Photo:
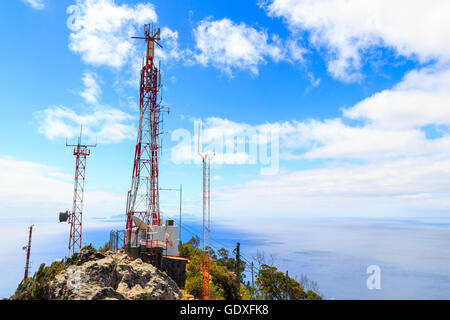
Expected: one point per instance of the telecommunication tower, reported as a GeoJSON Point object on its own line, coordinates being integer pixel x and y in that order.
{"type": "Point", "coordinates": [143, 197]}
{"type": "Point", "coordinates": [28, 248]}
{"type": "Point", "coordinates": [206, 161]}
{"type": "Point", "coordinates": [76, 216]}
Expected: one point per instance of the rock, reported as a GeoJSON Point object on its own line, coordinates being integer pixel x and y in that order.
{"type": "Point", "coordinates": [112, 275]}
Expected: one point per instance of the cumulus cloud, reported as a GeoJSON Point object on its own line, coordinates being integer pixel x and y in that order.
{"type": "Point", "coordinates": [422, 98]}
{"type": "Point", "coordinates": [100, 123]}
{"type": "Point", "coordinates": [171, 50]}
{"type": "Point", "coordinates": [412, 119]}
{"type": "Point", "coordinates": [332, 138]}
{"type": "Point", "coordinates": [380, 159]}
{"type": "Point", "coordinates": [382, 189]}
{"type": "Point", "coordinates": [101, 31]}
{"type": "Point", "coordinates": [92, 89]}
{"type": "Point", "coordinates": [416, 29]}
{"type": "Point", "coordinates": [106, 124]}
{"type": "Point", "coordinates": [35, 4]}
{"type": "Point", "coordinates": [227, 45]}
{"type": "Point", "coordinates": [228, 140]}
{"type": "Point", "coordinates": [389, 124]}
{"type": "Point", "coordinates": [31, 189]}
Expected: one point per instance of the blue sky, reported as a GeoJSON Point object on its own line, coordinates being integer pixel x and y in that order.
{"type": "Point", "coordinates": [356, 98]}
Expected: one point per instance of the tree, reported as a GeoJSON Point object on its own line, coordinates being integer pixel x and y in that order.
{"type": "Point", "coordinates": [308, 284]}
{"type": "Point", "coordinates": [221, 284]}
{"type": "Point", "coordinates": [194, 242]}
{"type": "Point", "coordinates": [230, 263]}
{"type": "Point", "coordinates": [106, 247]}
{"type": "Point", "coordinates": [190, 248]}
{"type": "Point", "coordinates": [271, 285]}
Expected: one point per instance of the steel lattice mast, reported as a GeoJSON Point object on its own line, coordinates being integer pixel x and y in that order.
{"type": "Point", "coordinates": [206, 161]}
{"type": "Point", "coordinates": [143, 197]}
{"type": "Point", "coordinates": [76, 217]}
{"type": "Point", "coordinates": [206, 225]}
{"type": "Point", "coordinates": [28, 248]}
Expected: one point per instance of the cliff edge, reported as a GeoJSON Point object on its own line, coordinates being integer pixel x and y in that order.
{"type": "Point", "coordinates": [92, 275]}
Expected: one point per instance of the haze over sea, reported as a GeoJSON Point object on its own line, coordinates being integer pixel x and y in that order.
{"type": "Point", "coordinates": [413, 254]}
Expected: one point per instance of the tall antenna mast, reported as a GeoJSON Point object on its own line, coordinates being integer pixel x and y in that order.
{"type": "Point", "coordinates": [143, 197]}
{"type": "Point", "coordinates": [76, 217]}
{"type": "Point", "coordinates": [28, 248]}
{"type": "Point", "coordinates": [206, 160]}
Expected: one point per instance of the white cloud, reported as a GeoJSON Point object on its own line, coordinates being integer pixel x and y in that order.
{"type": "Point", "coordinates": [331, 139]}
{"type": "Point", "coordinates": [347, 29]}
{"type": "Point", "coordinates": [218, 136]}
{"type": "Point", "coordinates": [400, 170]}
{"type": "Point", "coordinates": [227, 45]}
{"type": "Point", "coordinates": [170, 50]}
{"type": "Point", "coordinates": [35, 4]}
{"type": "Point", "coordinates": [106, 124]}
{"type": "Point", "coordinates": [24, 182]}
{"type": "Point", "coordinates": [421, 98]}
{"type": "Point", "coordinates": [100, 123]}
{"type": "Point", "coordinates": [92, 90]}
{"type": "Point", "coordinates": [314, 82]}
{"type": "Point", "coordinates": [37, 191]}
{"type": "Point", "coordinates": [313, 139]}
{"type": "Point", "coordinates": [393, 123]}
{"type": "Point", "coordinates": [390, 124]}
{"type": "Point", "coordinates": [101, 30]}
{"type": "Point", "coordinates": [415, 186]}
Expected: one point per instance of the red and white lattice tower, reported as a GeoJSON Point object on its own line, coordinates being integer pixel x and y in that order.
{"type": "Point", "coordinates": [28, 248]}
{"type": "Point", "coordinates": [206, 160]}
{"type": "Point", "coordinates": [76, 216]}
{"type": "Point", "coordinates": [143, 197]}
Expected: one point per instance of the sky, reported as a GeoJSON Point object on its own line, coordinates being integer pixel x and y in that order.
{"type": "Point", "coordinates": [325, 109]}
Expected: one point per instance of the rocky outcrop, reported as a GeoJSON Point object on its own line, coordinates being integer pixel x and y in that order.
{"type": "Point", "coordinates": [111, 275]}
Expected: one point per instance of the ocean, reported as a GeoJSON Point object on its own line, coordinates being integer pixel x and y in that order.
{"type": "Point", "coordinates": [412, 255]}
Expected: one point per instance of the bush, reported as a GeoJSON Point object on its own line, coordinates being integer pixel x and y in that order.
{"type": "Point", "coordinates": [220, 282]}
{"type": "Point", "coordinates": [35, 288]}
{"type": "Point", "coordinates": [105, 248]}
{"type": "Point", "coordinates": [89, 248]}
{"type": "Point", "coordinates": [271, 285]}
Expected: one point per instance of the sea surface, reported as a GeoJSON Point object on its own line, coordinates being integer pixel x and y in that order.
{"type": "Point", "coordinates": [413, 255]}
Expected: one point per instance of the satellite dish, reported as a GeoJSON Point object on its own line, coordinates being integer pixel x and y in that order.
{"type": "Point", "coordinates": [168, 240]}
{"type": "Point", "coordinates": [141, 224]}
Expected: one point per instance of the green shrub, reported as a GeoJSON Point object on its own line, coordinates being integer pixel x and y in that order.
{"type": "Point", "coordinates": [105, 248]}
{"type": "Point", "coordinates": [35, 287]}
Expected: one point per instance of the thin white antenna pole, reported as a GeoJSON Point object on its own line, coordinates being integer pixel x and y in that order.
{"type": "Point", "coordinates": [198, 145]}
{"type": "Point", "coordinates": [209, 197]}
{"type": "Point", "coordinates": [206, 161]}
